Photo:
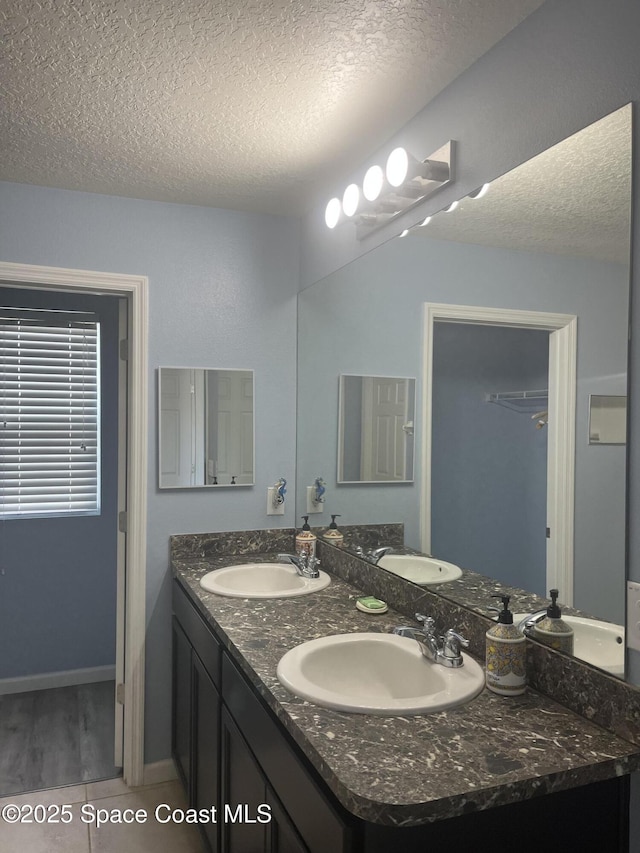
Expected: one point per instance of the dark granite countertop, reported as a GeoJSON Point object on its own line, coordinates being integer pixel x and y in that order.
{"type": "Point", "coordinates": [404, 771]}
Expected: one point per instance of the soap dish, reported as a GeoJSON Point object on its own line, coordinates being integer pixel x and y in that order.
{"type": "Point", "coordinates": [369, 604]}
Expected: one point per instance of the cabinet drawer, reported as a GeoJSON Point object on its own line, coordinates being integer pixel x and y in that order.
{"type": "Point", "coordinates": [319, 824]}
{"type": "Point", "coordinates": [199, 633]}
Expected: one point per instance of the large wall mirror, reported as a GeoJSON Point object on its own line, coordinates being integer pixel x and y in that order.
{"type": "Point", "coordinates": [206, 427]}
{"type": "Point", "coordinates": [551, 236]}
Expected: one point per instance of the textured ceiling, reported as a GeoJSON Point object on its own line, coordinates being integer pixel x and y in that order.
{"type": "Point", "coordinates": [574, 198]}
{"type": "Point", "coordinates": [253, 105]}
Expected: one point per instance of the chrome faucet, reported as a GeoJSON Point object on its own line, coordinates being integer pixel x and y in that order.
{"type": "Point", "coordinates": [526, 625]}
{"type": "Point", "coordinates": [305, 564]}
{"type": "Point", "coordinates": [443, 650]}
{"type": "Point", "coordinates": [374, 555]}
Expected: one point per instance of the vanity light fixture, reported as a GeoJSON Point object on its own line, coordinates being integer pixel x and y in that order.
{"type": "Point", "coordinates": [451, 207]}
{"type": "Point", "coordinates": [404, 233]}
{"type": "Point", "coordinates": [385, 194]}
{"type": "Point", "coordinates": [425, 222]}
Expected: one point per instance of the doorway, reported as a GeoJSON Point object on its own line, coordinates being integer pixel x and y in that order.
{"type": "Point", "coordinates": [560, 409]}
{"type": "Point", "coordinates": [63, 432]}
{"type": "Point", "coordinates": [132, 475]}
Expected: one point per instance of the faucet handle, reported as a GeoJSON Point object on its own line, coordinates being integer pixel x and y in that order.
{"type": "Point", "coordinates": [452, 642]}
{"type": "Point", "coordinates": [428, 624]}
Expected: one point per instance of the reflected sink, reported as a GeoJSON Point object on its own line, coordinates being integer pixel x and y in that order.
{"type": "Point", "coordinates": [262, 580]}
{"type": "Point", "coordinates": [598, 643]}
{"type": "Point", "coordinates": [421, 570]}
{"type": "Point", "coordinates": [376, 674]}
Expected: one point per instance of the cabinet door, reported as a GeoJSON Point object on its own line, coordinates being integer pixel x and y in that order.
{"type": "Point", "coordinates": [206, 755]}
{"type": "Point", "coordinates": [181, 716]}
{"type": "Point", "coordinates": [282, 835]}
{"type": "Point", "coordinates": [243, 790]}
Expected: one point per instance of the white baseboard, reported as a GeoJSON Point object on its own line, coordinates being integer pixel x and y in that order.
{"type": "Point", "coordinates": [47, 680]}
{"type": "Point", "coordinates": [159, 772]}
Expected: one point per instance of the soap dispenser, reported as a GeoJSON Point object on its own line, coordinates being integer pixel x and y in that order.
{"type": "Point", "coordinates": [552, 630]}
{"type": "Point", "coordinates": [333, 535]}
{"type": "Point", "coordinates": [306, 539]}
{"type": "Point", "coordinates": [506, 654]}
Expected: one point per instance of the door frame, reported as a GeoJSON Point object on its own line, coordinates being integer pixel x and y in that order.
{"type": "Point", "coordinates": [563, 340]}
{"type": "Point", "coordinates": [131, 620]}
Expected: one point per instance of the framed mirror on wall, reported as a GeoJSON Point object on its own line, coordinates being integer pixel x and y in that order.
{"type": "Point", "coordinates": [205, 427]}
{"type": "Point", "coordinates": [375, 429]}
{"type": "Point", "coordinates": [551, 236]}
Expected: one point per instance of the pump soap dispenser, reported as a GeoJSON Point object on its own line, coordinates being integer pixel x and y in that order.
{"type": "Point", "coordinates": [552, 630]}
{"type": "Point", "coordinates": [506, 654]}
{"type": "Point", "coordinates": [333, 535]}
{"type": "Point", "coordinates": [306, 539]}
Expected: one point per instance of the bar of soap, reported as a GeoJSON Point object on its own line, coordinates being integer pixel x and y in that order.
{"type": "Point", "coordinates": [369, 604]}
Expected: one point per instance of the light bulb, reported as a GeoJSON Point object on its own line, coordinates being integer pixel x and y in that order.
{"type": "Point", "coordinates": [332, 213]}
{"type": "Point", "coordinates": [397, 166]}
{"type": "Point", "coordinates": [451, 207]}
{"type": "Point", "coordinates": [425, 221]}
{"type": "Point", "coordinates": [350, 199]}
{"type": "Point", "coordinates": [483, 190]}
{"type": "Point", "coordinates": [372, 184]}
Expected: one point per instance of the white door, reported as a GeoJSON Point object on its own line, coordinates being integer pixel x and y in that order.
{"type": "Point", "coordinates": [177, 425]}
{"type": "Point", "coordinates": [234, 446]}
{"type": "Point", "coordinates": [384, 414]}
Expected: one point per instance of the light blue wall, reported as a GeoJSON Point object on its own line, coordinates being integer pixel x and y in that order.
{"type": "Point", "coordinates": [489, 463]}
{"type": "Point", "coordinates": [222, 293]}
{"type": "Point", "coordinates": [368, 318]}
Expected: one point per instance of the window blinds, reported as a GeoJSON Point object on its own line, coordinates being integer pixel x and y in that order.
{"type": "Point", "coordinates": [49, 424]}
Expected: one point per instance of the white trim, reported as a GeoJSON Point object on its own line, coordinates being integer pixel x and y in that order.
{"type": "Point", "coordinates": [135, 287]}
{"type": "Point", "coordinates": [48, 680]}
{"type": "Point", "coordinates": [159, 772]}
{"type": "Point", "coordinates": [562, 424]}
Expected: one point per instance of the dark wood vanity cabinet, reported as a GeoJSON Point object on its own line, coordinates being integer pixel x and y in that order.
{"type": "Point", "coordinates": [232, 753]}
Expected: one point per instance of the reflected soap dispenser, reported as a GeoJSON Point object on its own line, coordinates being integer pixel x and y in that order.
{"type": "Point", "coordinates": [333, 535]}
{"type": "Point", "coordinates": [552, 630]}
{"type": "Point", "coordinates": [306, 539]}
{"type": "Point", "coordinates": [506, 654]}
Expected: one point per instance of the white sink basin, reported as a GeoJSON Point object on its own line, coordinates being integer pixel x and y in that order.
{"type": "Point", "coordinates": [262, 580]}
{"type": "Point", "coordinates": [598, 643]}
{"type": "Point", "coordinates": [421, 570]}
{"type": "Point", "coordinates": [376, 674]}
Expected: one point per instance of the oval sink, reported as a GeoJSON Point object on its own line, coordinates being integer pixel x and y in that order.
{"type": "Point", "coordinates": [262, 580]}
{"type": "Point", "coordinates": [376, 674]}
{"type": "Point", "coordinates": [598, 643]}
{"type": "Point", "coordinates": [421, 570]}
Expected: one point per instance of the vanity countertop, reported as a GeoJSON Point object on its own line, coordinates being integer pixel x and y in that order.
{"type": "Point", "coordinates": [404, 771]}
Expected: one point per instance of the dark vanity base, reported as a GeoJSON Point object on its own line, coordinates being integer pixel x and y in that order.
{"type": "Point", "coordinates": [231, 748]}
{"type": "Point", "coordinates": [592, 819]}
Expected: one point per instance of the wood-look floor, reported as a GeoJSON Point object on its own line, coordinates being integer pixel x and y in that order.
{"type": "Point", "coordinates": [62, 736]}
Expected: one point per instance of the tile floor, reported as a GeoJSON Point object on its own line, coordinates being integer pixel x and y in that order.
{"type": "Point", "coordinates": [82, 835]}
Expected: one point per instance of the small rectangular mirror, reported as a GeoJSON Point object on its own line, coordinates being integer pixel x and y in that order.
{"type": "Point", "coordinates": [375, 429]}
{"type": "Point", "coordinates": [607, 419]}
{"type": "Point", "coordinates": [206, 427]}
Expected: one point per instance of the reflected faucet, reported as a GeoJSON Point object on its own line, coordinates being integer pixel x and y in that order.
{"type": "Point", "coordinates": [374, 555]}
{"type": "Point", "coordinates": [527, 625]}
{"type": "Point", "coordinates": [305, 564]}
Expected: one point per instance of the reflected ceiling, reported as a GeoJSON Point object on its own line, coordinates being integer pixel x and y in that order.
{"type": "Point", "coordinates": [549, 205]}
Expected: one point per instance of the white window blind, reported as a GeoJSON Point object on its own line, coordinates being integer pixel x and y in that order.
{"type": "Point", "coordinates": [49, 424]}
